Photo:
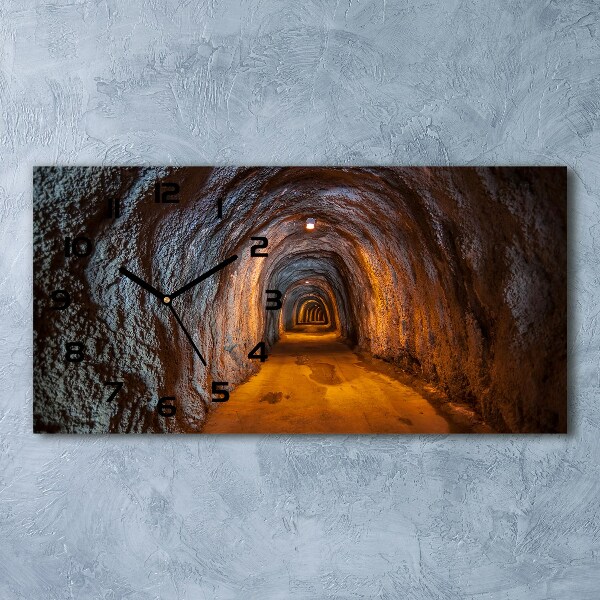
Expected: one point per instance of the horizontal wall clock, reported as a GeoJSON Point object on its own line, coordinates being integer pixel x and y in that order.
{"type": "Point", "coordinates": [299, 300]}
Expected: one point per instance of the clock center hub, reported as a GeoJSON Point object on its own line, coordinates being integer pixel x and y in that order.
{"type": "Point", "coordinates": [166, 299]}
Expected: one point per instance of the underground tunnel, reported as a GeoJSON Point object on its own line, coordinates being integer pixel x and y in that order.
{"type": "Point", "coordinates": [305, 299]}
{"type": "Point", "coordinates": [311, 311]}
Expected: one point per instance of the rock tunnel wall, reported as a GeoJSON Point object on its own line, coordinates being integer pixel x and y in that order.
{"type": "Point", "coordinates": [457, 275]}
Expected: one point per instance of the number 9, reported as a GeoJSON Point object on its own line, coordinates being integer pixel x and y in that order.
{"type": "Point", "coordinates": [61, 299]}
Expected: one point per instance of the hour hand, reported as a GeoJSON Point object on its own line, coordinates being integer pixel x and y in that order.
{"type": "Point", "coordinates": [143, 284]}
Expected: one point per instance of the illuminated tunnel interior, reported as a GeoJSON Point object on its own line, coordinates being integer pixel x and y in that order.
{"type": "Point", "coordinates": [310, 310]}
{"type": "Point", "coordinates": [448, 276]}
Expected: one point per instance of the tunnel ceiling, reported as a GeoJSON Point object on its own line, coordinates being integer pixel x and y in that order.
{"type": "Point", "coordinates": [439, 271]}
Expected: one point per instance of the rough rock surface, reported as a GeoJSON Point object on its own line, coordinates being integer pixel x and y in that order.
{"type": "Point", "coordinates": [457, 275]}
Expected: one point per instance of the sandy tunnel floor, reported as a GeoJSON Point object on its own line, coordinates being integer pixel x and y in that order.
{"type": "Point", "coordinates": [314, 383]}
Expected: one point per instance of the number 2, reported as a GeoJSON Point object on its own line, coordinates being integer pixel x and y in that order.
{"type": "Point", "coordinates": [263, 242]}
{"type": "Point", "coordinates": [117, 385]}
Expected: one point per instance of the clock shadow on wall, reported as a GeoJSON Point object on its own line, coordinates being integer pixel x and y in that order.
{"type": "Point", "coordinates": [300, 300]}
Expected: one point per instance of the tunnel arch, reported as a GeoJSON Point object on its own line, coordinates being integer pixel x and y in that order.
{"type": "Point", "coordinates": [318, 288]}
{"type": "Point", "coordinates": [310, 308]}
{"type": "Point", "coordinates": [327, 276]}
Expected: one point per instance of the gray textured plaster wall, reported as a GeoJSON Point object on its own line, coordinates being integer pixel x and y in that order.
{"type": "Point", "coordinates": [272, 82]}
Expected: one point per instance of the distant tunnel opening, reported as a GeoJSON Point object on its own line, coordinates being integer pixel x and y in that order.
{"type": "Point", "coordinates": [311, 312]}
{"type": "Point", "coordinates": [310, 303]}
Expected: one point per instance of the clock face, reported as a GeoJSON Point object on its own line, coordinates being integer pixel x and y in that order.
{"type": "Point", "coordinates": [299, 299]}
{"type": "Point", "coordinates": [117, 332]}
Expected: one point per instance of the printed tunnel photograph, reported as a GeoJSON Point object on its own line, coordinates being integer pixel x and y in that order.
{"type": "Point", "coordinates": [358, 300]}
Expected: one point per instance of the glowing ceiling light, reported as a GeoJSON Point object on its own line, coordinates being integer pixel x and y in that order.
{"type": "Point", "coordinates": [310, 223]}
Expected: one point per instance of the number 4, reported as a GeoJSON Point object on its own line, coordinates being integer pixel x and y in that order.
{"type": "Point", "coordinates": [259, 352]}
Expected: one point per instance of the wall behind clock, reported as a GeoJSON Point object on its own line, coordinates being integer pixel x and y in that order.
{"type": "Point", "coordinates": [268, 82]}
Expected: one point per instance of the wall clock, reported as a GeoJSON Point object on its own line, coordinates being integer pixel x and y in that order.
{"type": "Point", "coordinates": [299, 299]}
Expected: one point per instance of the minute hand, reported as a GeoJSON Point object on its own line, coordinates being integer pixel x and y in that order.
{"type": "Point", "coordinates": [187, 334]}
{"type": "Point", "coordinates": [202, 277]}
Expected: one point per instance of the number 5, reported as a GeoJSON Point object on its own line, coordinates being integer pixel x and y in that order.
{"type": "Point", "coordinates": [216, 385]}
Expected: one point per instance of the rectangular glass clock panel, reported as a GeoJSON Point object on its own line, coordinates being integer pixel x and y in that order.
{"type": "Point", "coordinates": [325, 300]}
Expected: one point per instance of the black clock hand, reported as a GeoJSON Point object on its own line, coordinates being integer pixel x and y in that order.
{"type": "Point", "coordinates": [189, 337]}
{"type": "Point", "coordinates": [166, 300]}
{"type": "Point", "coordinates": [141, 283]}
{"type": "Point", "coordinates": [202, 277]}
